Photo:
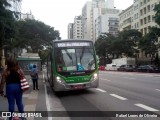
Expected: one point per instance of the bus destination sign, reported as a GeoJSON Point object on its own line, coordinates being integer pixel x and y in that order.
{"type": "Point", "coordinates": [73, 44]}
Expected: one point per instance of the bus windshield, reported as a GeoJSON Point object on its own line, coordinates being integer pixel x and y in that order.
{"type": "Point", "coordinates": [75, 59]}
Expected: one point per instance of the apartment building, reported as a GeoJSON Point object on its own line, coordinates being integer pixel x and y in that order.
{"type": "Point", "coordinates": [98, 7]}
{"type": "Point", "coordinates": [107, 22]}
{"type": "Point", "coordinates": [139, 16]}
{"type": "Point", "coordinates": [126, 18]}
{"type": "Point", "coordinates": [77, 27]}
{"type": "Point", "coordinates": [27, 16]}
{"type": "Point", "coordinates": [86, 18]}
{"type": "Point", "coordinates": [70, 31]}
{"type": "Point", "coordinates": [110, 4]}
{"type": "Point", "coordinates": [146, 11]}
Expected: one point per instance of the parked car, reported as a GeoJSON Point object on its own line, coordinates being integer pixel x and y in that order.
{"type": "Point", "coordinates": [111, 67]}
{"type": "Point", "coordinates": [102, 67]}
{"type": "Point", "coordinates": [147, 68]}
{"type": "Point", "coordinates": [127, 68]}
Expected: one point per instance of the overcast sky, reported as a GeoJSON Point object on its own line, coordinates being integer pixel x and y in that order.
{"type": "Point", "coordinates": [59, 13]}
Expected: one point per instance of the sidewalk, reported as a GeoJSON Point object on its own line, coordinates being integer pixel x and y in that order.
{"type": "Point", "coordinates": [33, 100]}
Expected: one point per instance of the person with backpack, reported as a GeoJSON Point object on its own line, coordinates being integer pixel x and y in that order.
{"type": "Point", "coordinates": [34, 77]}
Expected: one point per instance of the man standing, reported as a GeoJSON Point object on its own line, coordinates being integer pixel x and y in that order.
{"type": "Point", "coordinates": [34, 76]}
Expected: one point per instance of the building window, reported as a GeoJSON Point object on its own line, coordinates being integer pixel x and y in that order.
{"type": "Point", "coordinates": [145, 20]}
{"type": "Point", "coordinates": [141, 21]}
{"type": "Point", "coordinates": [145, 30]}
{"type": "Point", "coordinates": [152, 6]}
{"type": "Point", "coordinates": [148, 8]}
{"type": "Point", "coordinates": [149, 18]}
{"type": "Point", "coordinates": [141, 12]}
{"type": "Point", "coordinates": [137, 25]}
{"type": "Point", "coordinates": [153, 19]}
{"type": "Point", "coordinates": [145, 10]}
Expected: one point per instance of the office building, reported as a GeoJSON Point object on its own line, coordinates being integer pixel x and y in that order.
{"type": "Point", "coordinates": [107, 23]}
{"type": "Point", "coordinates": [70, 31]}
{"type": "Point", "coordinates": [77, 27]}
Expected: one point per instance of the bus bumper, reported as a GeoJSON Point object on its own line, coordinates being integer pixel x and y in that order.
{"type": "Point", "coordinates": [75, 86]}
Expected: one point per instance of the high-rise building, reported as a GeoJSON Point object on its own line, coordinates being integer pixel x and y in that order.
{"type": "Point", "coordinates": [139, 16]}
{"type": "Point", "coordinates": [86, 20]}
{"type": "Point", "coordinates": [91, 13]}
{"type": "Point", "coordinates": [126, 18]}
{"type": "Point", "coordinates": [107, 22]}
{"type": "Point", "coordinates": [77, 27]}
{"type": "Point", "coordinates": [110, 4]}
{"type": "Point", "coordinates": [70, 31]}
{"type": "Point", "coordinates": [98, 7]}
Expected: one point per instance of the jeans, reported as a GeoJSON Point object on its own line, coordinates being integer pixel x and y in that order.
{"type": "Point", "coordinates": [14, 92]}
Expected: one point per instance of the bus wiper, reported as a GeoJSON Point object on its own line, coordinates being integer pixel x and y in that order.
{"type": "Point", "coordinates": [82, 54]}
{"type": "Point", "coordinates": [70, 57]}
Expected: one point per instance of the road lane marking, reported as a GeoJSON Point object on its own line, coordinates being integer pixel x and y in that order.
{"type": "Point", "coordinates": [119, 97]}
{"type": "Point", "coordinates": [129, 78]}
{"type": "Point", "coordinates": [100, 90]}
{"type": "Point", "coordinates": [157, 90]}
{"type": "Point", "coordinates": [146, 107]}
{"type": "Point", "coordinates": [47, 101]}
{"type": "Point", "coordinates": [104, 79]}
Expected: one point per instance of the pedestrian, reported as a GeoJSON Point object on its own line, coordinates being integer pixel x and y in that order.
{"type": "Point", "coordinates": [11, 78]}
{"type": "Point", "coordinates": [34, 77]}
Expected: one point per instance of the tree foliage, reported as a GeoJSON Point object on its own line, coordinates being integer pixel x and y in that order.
{"type": "Point", "coordinates": [35, 34]}
{"type": "Point", "coordinates": [157, 15]}
{"type": "Point", "coordinates": [7, 26]}
{"type": "Point", "coordinates": [109, 46]}
{"type": "Point", "coordinates": [149, 43]}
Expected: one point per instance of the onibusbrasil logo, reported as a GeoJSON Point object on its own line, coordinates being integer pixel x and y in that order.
{"type": "Point", "coordinates": [28, 114]}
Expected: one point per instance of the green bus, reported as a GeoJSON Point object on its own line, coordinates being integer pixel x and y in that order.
{"type": "Point", "coordinates": [72, 65]}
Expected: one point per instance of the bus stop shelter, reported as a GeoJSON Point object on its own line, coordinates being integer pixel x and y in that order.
{"type": "Point", "coordinates": [26, 63]}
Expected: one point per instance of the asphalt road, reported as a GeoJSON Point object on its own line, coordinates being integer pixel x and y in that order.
{"type": "Point", "coordinates": [118, 92]}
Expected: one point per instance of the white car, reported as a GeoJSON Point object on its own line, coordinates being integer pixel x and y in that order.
{"type": "Point", "coordinates": [111, 67]}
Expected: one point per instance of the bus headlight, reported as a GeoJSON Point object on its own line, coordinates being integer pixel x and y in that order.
{"type": "Point", "coordinates": [95, 76]}
{"type": "Point", "coordinates": [59, 79]}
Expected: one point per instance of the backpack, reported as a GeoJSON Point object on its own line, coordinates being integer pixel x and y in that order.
{"type": "Point", "coordinates": [33, 74]}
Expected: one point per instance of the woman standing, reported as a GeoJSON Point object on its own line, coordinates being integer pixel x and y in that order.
{"type": "Point", "coordinates": [13, 86]}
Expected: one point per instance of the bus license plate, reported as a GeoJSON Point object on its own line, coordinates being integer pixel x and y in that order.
{"type": "Point", "coordinates": [78, 86]}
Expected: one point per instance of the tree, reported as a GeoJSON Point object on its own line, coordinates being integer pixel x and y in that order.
{"type": "Point", "coordinates": [7, 25]}
{"type": "Point", "coordinates": [157, 61]}
{"type": "Point", "coordinates": [6, 22]}
{"type": "Point", "coordinates": [43, 55]}
{"type": "Point", "coordinates": [157, 15]}
{"type": "Point", "coordinates": [35, 34]}
{"type": "Point", "coordinates": [109, 46]}
{"type": "Point", "coordinates": [129, 40]}
{"type": "Point", "coordinates": [149, 43]}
